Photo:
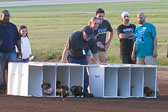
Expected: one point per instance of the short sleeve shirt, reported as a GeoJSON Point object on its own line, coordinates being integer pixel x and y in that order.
{"type": "Point", "coordinates": [144, 36]}
{"type": "Point", "coordinates": [126, 45]}
{"type": "Point", "coordinates": [103, 28]}
{"type": "Point", "coordinates": [78, 47]}
{"type": "Point", "coordinates": [8, 35]}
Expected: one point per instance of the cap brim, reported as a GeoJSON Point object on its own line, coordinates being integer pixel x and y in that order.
{"type": "Point", "coordinates": [90, 36]}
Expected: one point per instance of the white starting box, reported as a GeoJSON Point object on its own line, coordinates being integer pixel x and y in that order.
{"type": "Point", "coordinates": [123, 80]}
{"type": "Point", "coordinates": [25, 79]}
{"type": "Point", "coordinates": [107, 81]}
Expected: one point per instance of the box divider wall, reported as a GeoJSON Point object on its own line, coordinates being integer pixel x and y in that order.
{"type": "Point", "coordinates": [137, 81]}
{"type": "Point", "coordinates": [110, 82]}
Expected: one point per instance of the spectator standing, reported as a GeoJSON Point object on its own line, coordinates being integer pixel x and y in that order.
{"type": "Point", "coordinates": [94, 24]}
{"type": "Point", "coordinates": [103, 29]}
{"type": "Point", "coordinates": [9, 37]}
{"type": "Point", "coordinates": [25, 44]}
{"type": "Point", "coordinates": [125, 33]}
{"type": "Point", "coordinates": [145, 42]}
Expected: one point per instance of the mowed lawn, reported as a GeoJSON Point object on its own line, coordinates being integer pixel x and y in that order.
{"type": "Point", "coordinates": [50, 26]}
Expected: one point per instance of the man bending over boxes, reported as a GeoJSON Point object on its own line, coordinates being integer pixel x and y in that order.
{"type": "Point", "coordinates": [76, 50]}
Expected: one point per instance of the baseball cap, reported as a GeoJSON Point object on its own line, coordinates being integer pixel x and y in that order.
{"type": "Point", "coordinates": [124, 14]}
{"type": "Point", "coordinates": [89, 31]}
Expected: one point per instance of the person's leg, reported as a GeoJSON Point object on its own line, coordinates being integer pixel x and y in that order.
{"type": "Point", "coordinates": [130, 61]}
{"type": "Point", "coordinates": [124, 59]}
{"type": "Point", "coordinates": [150, 60]}
{"type": "Point", "coordinates": [102, 56]}
{"type": "Point", "coordinates": [140, 60]}
{"type": "Point", "coordinates": [86, 77]}
{"type": "Point", "coordinates": [3, 62]}
{"type": "Point", "coordinates": [89, 57]}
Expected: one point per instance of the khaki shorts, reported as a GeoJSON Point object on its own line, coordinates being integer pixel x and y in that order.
{"type": "Point", "coordinates": [147, 60]}
{"type": "Point", "coordinates": [102, 56]}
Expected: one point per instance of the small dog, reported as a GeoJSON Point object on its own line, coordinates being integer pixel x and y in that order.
{"type": "Point", "coordinates": [76, 91]}
{"type": "Point", "coordinates": [47, 89]}
{"type": "Point", "coordinates": [148, 92]}
{"type": "Point", "coordinates": [58, 85]}
{"type": "Point", "coordinates": [64, 92]}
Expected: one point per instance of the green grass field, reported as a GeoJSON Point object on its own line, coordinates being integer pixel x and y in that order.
{"type": "Point", "coordinates": [50, 26]}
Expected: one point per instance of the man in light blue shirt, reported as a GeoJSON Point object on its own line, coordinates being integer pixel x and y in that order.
{"type": "Point", "coordinates": [145, 42]}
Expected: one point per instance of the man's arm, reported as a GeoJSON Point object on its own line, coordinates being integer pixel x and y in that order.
{"type": "Point", "coordinates": [110, 36]}
{"type": "Point", "coordinates": [19, 48]}
{"type": "Point", "coordinates": [155, 47]}
{"type": "Point", "coordinates": [65, 52]}
{"type": "Point", "coordinates": [96, 58]}
{"type": "Point", "coordinates": [126, 36]}
{"type": "Point", "coordinates": [133, 52]}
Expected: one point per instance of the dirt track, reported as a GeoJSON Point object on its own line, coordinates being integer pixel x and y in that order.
{"type": "Point", "coordinates": [34, 104]}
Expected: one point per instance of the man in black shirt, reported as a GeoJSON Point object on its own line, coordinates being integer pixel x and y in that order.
{"type": "Point", "coordinates": [76, 50]}
{"type": "Point", "coordinates": [126, 33]}
{"type": "Point", "coordinates": [103, 29]}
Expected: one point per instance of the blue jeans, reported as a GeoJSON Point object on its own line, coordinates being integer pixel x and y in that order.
{"type": "Point", "coordinates": [82, 61]}
{"type": "Point", "coordinates": [5, 57]}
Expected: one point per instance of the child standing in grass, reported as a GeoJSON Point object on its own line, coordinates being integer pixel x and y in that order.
{"type": "Point", "coordinates": [25, 44]}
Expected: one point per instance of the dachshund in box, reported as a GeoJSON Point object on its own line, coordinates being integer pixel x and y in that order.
{"type": "Point", "coordinates": [76, 91]}
{"type": "Point", "coordinates": [47, 89]}
{"type": "Point", "coordinates": [64, 92]}
{"type": "Point", "coordinates": [148, 92]}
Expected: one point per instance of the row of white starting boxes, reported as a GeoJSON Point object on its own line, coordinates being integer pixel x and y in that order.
{"type": "Point", "coordinates": [106, 81]}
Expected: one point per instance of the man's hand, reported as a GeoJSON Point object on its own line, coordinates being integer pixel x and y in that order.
{"type": "Point", "coordinates": [107, 46]}
{"type": "Point", "coordinates": [99, 44]}
{"type": "Point", "coordinates": [19, 55]}
{"type": "Point", "coordinates": [133, 57]}
{"type": "Point", "coordinates": [154, 53]}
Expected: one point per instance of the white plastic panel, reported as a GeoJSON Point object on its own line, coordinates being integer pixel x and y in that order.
{"type": "Point", "coordinates": [18, 79]}
{"type": "Point", "coordinates": [49, 76]}
{"type": "Point", "coordinates": [96, 81]}
{"type": "Point", "coordinates": [137, 79]}
{"type": "Point", "coordinates": [124, 77]}
{"type": "Point", "coordinates": [76, 76]}
{"type": "Point", "coordinates": [35, 80]}
{"type": "Point", "coordinates": [150, 79]}
{"type": "Point", "coordinates": [63, 73]}
{"type": "Point", "coordinates": [111, 84]}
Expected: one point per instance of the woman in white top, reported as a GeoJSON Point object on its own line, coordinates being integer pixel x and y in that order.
{"type": "Point", "coordinates": [25, 44]}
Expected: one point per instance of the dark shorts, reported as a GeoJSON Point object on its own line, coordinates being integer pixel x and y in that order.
{"type": "Point", "coordinates": [126, 59]}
